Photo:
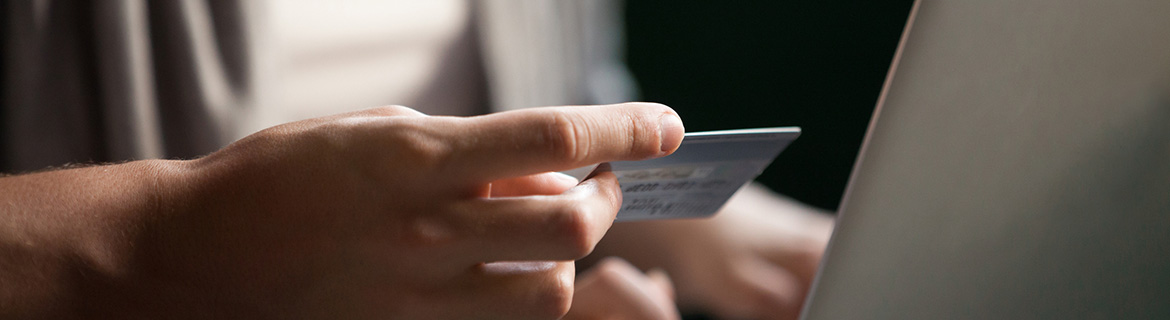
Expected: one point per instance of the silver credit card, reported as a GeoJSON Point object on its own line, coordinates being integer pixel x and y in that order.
{"type": "Point", "coordinates": [697, 179]}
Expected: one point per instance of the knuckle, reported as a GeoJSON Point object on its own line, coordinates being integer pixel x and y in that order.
{"type": "Point", "coordinates": [391, 110]}
{"type": "Point", "coordinates": [564, 136]}
{"type": "Point", "coordinates": [417, 143]}
{"type": "Point", "coordinates": [386, 110]}
{"type": "Point", "coordinates": [809, 258]}
{"type": "Point", "coordinates": [423, 233]}
{"type": "Point", "coordinates": [644, 139]}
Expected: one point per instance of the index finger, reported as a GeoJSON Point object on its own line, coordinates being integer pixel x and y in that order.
{"type": "Point", "coordinates": [529, 141]}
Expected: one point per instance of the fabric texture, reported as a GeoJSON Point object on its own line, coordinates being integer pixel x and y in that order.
{"type": "Point", "coordinates": [117, 80]}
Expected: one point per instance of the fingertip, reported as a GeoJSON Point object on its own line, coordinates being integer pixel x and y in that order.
{"type": "Point", "coordinates": [670, 126]}
{"type": "Point", "coordinates": [613, 262]}
{"type": "Point", "coordinates": [563, 182]}
{"type": "Point", "coordinates": [662, 280]}
{"type": "Point", "coordinates": [604, 182]}
{"type": "Point", "coordinates": [548, 183]}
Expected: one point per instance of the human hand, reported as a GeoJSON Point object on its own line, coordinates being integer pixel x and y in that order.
{"type": "Point", "coordinates": [754, 260]}
{"type": "Point", "coordinates": [388, 213]}
{"type": "Point", "coordinates": [613, 289]}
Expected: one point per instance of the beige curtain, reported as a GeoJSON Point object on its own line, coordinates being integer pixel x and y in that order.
{"type": "Point", "coordinates": [115, 80]}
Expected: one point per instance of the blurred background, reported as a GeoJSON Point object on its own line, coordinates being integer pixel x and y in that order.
{"type": "Point", "coordinates": [818, 65]}
{"type": "Point", "coordinates": [814, 64]}
{"type": "Point", "coordinates": [157, 79]}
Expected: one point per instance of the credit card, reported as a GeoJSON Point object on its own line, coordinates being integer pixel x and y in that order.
{"type": "Point", "coordinates": [697, 179]}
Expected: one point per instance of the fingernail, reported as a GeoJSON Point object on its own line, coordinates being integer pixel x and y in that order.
{"type": "Point", "coordinates": [670, 129]}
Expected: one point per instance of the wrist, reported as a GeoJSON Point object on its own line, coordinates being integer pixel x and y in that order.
{"type": "Point", "coordinates": [147, 192]}
{"type": "Point", "coordinates": [74, 235]}
{"type": "Point", "coordinates": [149, 267]}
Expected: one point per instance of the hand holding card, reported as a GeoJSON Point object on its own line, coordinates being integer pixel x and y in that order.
{"type": "Point", "coordinates": [695, 181]}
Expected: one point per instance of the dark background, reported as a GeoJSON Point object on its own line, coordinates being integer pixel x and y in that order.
{"type": "Point", "coordinates": [729, 65]}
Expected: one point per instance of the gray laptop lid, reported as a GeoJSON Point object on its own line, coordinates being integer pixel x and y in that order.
{"type": "Point", "coordinates": [1018, 167]}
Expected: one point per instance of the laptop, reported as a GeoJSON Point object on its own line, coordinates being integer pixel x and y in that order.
{"type": "Point", "coordinates": [1017, 167]}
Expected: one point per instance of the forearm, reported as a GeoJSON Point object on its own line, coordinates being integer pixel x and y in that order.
{"type": "Point", "coordinates": [62, 230]}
